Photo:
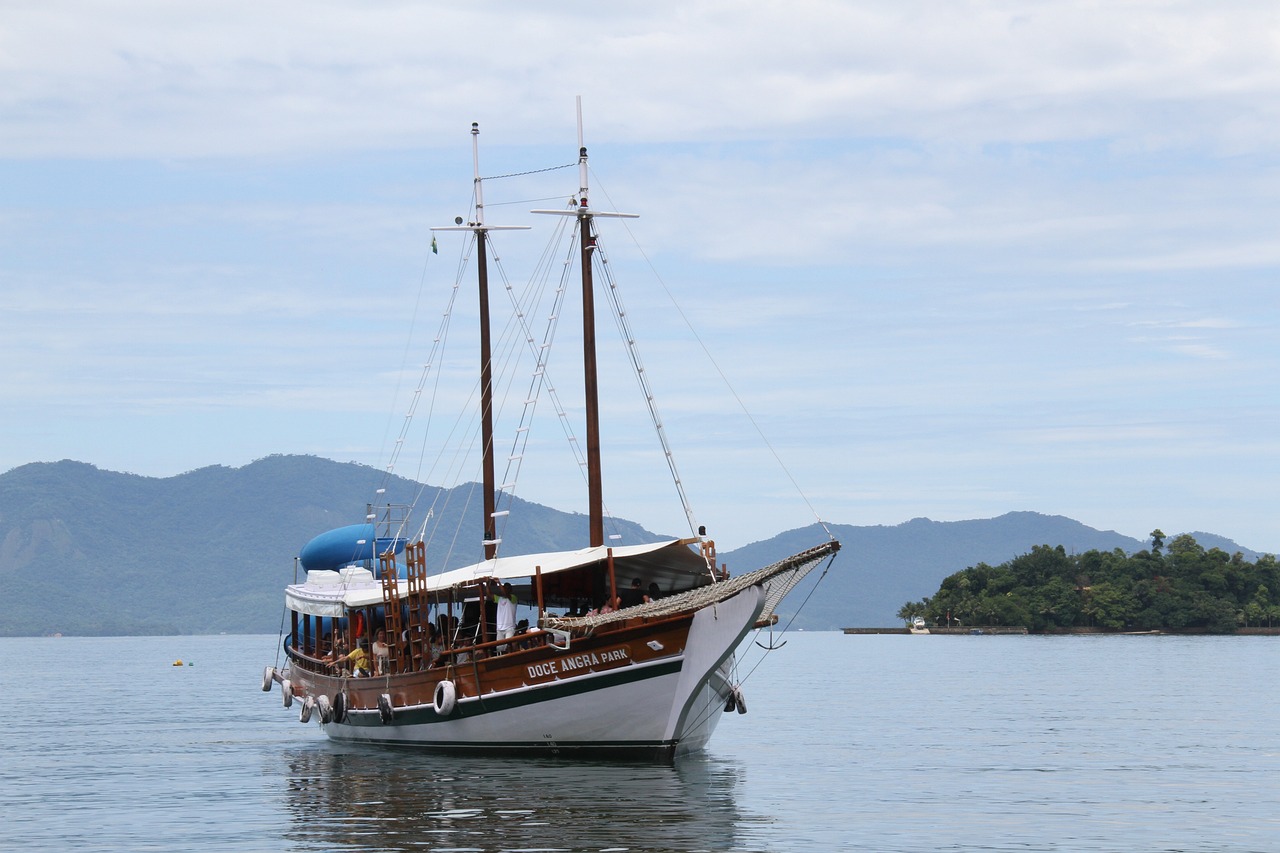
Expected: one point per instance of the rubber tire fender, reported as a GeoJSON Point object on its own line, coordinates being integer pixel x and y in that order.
{"type": "Point", "coordinates": [445, 698]}
{"type": "Point", "coordinates": [385, 709]}
{"type": "Point", "coordinates": [268, 676]}
{"type": "Point", "coordinates": [339, 707]}
{"type": "Point", "coordinates": [286, 688]}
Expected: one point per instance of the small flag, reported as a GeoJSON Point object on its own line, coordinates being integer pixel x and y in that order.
{"type": "Point", "coordinates": [434, 249]}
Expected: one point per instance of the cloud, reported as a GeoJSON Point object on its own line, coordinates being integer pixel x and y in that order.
{"type": "Point", "coordinates": [236, 78]}
{"type": "Point", "coordinates": [957, 258]}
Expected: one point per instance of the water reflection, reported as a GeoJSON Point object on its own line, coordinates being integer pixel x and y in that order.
{"type": "Point", "coordinates": [365, 798]}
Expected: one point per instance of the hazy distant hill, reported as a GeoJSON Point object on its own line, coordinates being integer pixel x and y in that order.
{"type": "Point", "coordinates": [881, 568]}
{"type": "Point", "coordinates": [87, 551]}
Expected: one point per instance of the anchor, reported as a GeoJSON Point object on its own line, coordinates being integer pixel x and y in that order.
{"type": "Point", "coordinates": [772, 646]}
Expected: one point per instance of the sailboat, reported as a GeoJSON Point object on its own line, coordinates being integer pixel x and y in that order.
{"type": "Point", "coordinates": [382, 648]}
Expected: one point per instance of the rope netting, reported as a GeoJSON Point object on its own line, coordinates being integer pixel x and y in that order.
{"type": "Point", "coordinates": [778, 579]}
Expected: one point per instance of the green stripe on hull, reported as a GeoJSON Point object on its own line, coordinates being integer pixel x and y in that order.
{"type": "Point", "coordinates": [516, 698]}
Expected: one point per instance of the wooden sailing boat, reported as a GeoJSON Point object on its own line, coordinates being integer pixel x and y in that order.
{"type": "Point", "coordinates": [635, 679]}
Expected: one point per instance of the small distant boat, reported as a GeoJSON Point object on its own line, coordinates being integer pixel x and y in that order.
{"type": "Point", "coordinates": [637, 677]}
{"type": "Point", "coordinates": [918, 626]}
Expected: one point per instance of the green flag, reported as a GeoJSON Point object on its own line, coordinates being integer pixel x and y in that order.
{"type": "Point", "coordinates": [434, 249]}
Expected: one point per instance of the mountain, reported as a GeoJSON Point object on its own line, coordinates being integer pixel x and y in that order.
{"type": "Point", "coordinates": [88, 551]}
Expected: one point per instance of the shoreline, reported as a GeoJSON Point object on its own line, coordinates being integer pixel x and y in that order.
{"type": "Point", "coordinates": [1006, 630]}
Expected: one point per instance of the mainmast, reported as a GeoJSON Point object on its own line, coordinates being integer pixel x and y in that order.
{"type": "Point", "coordinates": [481, 231]}
{"type": "Point", "coordinates": [595, 486]}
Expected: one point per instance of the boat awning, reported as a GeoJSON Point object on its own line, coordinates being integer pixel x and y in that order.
{"type": "Point", "coordinates": [670, 564]}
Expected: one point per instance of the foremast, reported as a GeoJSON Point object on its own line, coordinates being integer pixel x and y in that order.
{"type": "Point", "coordinates": [481, 231]}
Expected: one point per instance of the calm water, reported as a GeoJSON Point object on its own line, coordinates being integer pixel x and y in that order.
{"type": "Point", "coordinates": [871, 743]}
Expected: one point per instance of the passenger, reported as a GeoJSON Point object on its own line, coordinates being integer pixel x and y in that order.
{"type": "Point", "coordinates": [381, 653]}
{"type": "Point", "coordinates": [435, 647]}
{"type": "Point", "coordinates": [357, 661]}
{"type": "Point", "coordinates": [654, 593]}
{"type": "Point", "coordinates": [506, 619]}
{"type": "Point", "coordinates": [337, 655]}
{"type": "Point", "coordinates": [633, 596]}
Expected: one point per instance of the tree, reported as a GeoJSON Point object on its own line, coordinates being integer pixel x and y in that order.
{"type": "Point", "coordinates": [909, 611]}
{"type": "Point", "coordinates": [1047, 589]}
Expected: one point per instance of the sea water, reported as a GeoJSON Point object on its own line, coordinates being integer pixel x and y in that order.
{"type": "Point", "coordinates": [851, 742]}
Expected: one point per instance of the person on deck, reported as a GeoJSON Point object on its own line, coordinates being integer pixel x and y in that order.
{"type": "Point", "coordinates": [633, 596]}
{"type": "Point", "coordinates": [381, 653]}
{"type": "Point", "coordinates": [355, 662]}
{"type": "Point", "coordinates": [337, 652]}
{"type": "Point", "coordinates": [506, 619]}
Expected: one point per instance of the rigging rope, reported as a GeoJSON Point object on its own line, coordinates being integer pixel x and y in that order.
{"type": "Point", "coordinates": [733, 391]}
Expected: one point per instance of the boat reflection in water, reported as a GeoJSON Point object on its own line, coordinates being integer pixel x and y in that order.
{"type": "Point", "coordinates": [362, 798]}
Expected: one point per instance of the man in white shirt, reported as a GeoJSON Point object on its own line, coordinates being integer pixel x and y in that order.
{"type": "Point", "coordinates": [506, 619]}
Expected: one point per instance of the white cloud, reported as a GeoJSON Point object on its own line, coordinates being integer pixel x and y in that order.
{"type": "Point", "coordinates": [233, 77]}
{"type": "Point", "coordinates": [959, 258]}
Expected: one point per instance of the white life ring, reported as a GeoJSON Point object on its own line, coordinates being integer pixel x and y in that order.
{"type": "Point", "coordinates": [268, 676]}
{"type": "Point", "coordinates": [308, 705]}
{"type": "Point", "coordinates": [339, 707]}
{"type": "Point", "coordinates": [385, 709]}
{"type": "Point", "coordinates": [325, 709]}
{"type": "Point", "coordinates": [286, 687]}
{"type": "Point", "coordinates": [445, 698]}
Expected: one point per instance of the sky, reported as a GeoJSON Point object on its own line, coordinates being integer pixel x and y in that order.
{"type": "Point", "coordinates": [953, 259]}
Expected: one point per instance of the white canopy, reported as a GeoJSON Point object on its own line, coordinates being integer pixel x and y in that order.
{"type": "Point", "coordinates": [671, 564]}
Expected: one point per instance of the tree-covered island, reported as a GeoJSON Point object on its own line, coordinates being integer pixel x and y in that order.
{"type": "Point", "coordinates": [1183, 587]}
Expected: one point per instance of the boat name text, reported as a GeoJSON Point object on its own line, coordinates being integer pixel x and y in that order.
{"type": "Point", "coordinates": [571, 663]}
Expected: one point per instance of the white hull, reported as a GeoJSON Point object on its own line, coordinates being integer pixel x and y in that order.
{"type": "Point", "coordinates": [667, 708]}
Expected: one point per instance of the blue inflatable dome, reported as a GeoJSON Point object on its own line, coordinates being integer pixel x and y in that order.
{"type": "Point", "coordinates": [344, 546]}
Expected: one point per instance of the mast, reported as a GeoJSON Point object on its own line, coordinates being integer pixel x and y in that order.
{"type": "Point", "coordinates": [489, 478]}
{"type": "Point", "coordinates": [591, 385]}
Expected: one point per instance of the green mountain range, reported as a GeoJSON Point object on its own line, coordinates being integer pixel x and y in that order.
{"type": "Point", "coordinates": [92, 552]}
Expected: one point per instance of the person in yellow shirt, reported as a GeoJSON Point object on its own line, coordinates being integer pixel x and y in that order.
{"type": "Point", "coordinates": [359, 661]}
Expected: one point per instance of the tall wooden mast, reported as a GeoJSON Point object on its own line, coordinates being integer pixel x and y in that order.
{"type": "Point", "coordinates": [591, 383]}
{"type": "Point", "coordinates": [481, 231]}
{"type": "Point", "coordinates": [587, 239]}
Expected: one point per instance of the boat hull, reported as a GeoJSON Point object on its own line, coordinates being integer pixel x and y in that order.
{"type": "Point", "coordinates": [648, 692]}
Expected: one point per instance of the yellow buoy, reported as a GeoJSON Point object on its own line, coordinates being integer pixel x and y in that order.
{"type": "Point", "coordinates": [178, 662]}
